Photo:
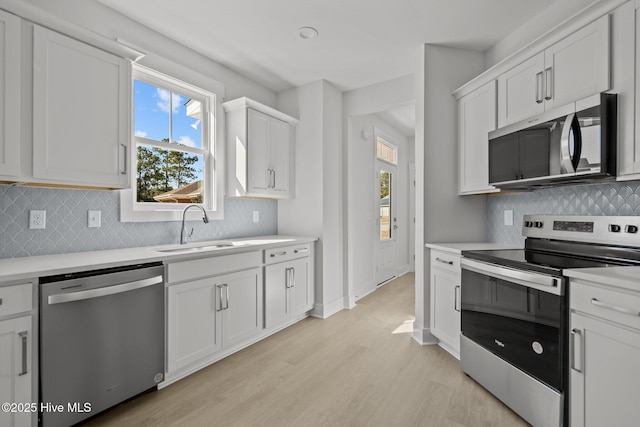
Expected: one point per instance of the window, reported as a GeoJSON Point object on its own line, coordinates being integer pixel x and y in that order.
{"type": "Point", "coordinates": [386, 151]}
{"type": "Point", "coordinates": [174, 144]}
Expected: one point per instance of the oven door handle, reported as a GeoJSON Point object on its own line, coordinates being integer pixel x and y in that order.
{"type": "Point", "coordinates": [541, 282]}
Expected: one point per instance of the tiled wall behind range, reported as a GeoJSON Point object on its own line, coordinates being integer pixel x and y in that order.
{"type": "Point", "coordinates": [618, 198]}
{"type": "Point", "coordinates": [67, 231]}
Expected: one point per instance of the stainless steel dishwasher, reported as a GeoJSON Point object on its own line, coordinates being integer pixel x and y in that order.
{"type": "Point", "coordinates": [101, 340]}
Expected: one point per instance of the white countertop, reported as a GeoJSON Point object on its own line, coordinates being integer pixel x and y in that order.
{"type": "Point", "coordinates": [457, 248]}
{"type": "Point", "coordinates": [12, 269]}
{"type": "Point", "coordinates": [627, 277]}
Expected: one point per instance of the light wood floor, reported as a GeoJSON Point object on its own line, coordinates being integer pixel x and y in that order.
{"type": "Point", "coordinates": [359, 367]}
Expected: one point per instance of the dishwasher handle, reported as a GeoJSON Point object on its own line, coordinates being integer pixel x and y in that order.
{"type": "Point", "coordinates": [104, 291]}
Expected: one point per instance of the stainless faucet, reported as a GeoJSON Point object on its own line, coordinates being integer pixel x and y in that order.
{"type": "Point", "coordinates": [205, 219]}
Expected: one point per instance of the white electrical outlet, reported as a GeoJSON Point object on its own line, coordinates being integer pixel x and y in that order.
{"type": "Point", "coordinates": [94, 219]}
{"type": "Point", "coordinates": [37, 219]}
{"type": "Point", "coordinates": [508, 217]}
{"type": "Point", "coordinates": [256, 216]}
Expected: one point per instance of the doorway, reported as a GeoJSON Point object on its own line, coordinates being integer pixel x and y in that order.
{"type": "Point", "coordinates": [386, 254]}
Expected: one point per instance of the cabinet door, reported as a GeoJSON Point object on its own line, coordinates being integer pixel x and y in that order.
{"type": "Point", "coordinates": [80, 113]}
{"type": "Point", "coordinates": [578, 65]}
{"type": "Point", "coordinates": [258, 152]}
{"type": "Point", "coordinates": [604, 373]}
{"type": "Point", "coordinates": [9, 94]}
{"type": "Point", "coordinates": [276, 309]}
{"type": "Point", "coordinates": [300, 290]}
{"type": "Point", "coordinates": [192, 324]}
{"type": "Point", "coordinates": [280, 155]}
{"type": "Point", "coordinates": [445, 306]}
{"type": "Point", "coordinates": [476, 118]}
{"type": "Point", "coordinates": [16, 369]}
{"type": "Point", "coordinates": [520, 91]}
{"type": "Point", "coordinates": [240, 295]}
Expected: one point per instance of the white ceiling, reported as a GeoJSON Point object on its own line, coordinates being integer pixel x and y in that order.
{"type": "Point", "coordinates": [360, 42]}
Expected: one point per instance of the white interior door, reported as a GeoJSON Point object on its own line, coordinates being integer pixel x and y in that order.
{"type": "Point", "coordinates": [387, 224]}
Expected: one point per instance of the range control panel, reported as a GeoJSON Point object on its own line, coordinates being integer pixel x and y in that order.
{"type": "Point", "coordinates": [622, 230]}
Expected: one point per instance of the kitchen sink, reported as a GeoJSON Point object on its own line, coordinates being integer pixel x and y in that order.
{"type": "Point", "coordinates": [201, 248]}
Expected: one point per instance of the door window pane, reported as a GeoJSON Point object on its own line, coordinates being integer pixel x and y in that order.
{"type": "Point", "coordinates": [385, 205]}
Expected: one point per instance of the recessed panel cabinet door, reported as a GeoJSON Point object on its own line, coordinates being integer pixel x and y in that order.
{"type": "Point", "coordinates": [259, 176]}
{"type": "Point", "coordinates": [281, 150]}
{"type": "Point", "coordinates": [520, 91]}
{"type": "Point", "coordinates": [81, 107]}
{"type": "Point", "coordinates": [301, 291]}
{"type": "Point", "coordinates": [276, 309]}
{"type": "Point", "coordinates": [15, 369]}
{"type": "Point", "coordinates": [241, 297]}
{"type": "Point", "coordinates": [9, 95]}
{"type": "Point", "coordinates": [445, 288]}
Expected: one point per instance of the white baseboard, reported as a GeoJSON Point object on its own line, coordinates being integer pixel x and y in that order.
{"type": "Point", "coordinates": [323, 311]}
{"type": "Point", "coordinates": [423, 336]}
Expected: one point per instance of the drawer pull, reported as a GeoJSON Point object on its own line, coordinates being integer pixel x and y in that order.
{"type": "Point", "coordinates": [615, 307]}
{"type": "Point", "coordinates": [278, 254]}
{"type": "Point", "coordinates": [298, 251]}
{"type": "Point", "coordinates": [444, 261]}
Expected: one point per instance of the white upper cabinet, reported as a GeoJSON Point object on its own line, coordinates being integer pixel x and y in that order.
{"type": "Point", "coordinates": [476, 118]}
{"type": "Point", "coordinates": [81, 113]}
{"type": "Point", "coordinates": [9, 95]}
{"type": "Point", "coordinates": [260, 149]}
{"type": "Point", "coordinates": [571, 69]}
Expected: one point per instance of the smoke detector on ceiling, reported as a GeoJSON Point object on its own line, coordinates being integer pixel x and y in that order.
{"type": "Point", "coordinates": [307, 33]}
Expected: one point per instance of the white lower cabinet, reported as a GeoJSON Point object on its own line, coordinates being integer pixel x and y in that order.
{"type": "Point", "coordinates": [604, 355]}
{"type": "Point", "coordinates": [17, 361]}
{"type": "Point", "coordinates": [208, 315]}
{"type": "Point", "coordinates": [445, 300]}
{"type": "Point", "coordinates": [288, 293]}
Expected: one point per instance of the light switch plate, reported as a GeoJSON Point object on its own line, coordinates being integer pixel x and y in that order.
{"type": "Point", "coordinates": [94, 219]}
{"type": "Point", "coordinates": [37, 219]}
{"type": "Point", "coordinates": [508, 217]}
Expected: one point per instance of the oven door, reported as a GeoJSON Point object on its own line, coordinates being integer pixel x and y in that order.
{"type": "Point", "coordinates": [518, 316]}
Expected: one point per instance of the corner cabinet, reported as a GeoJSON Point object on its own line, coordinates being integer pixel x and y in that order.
{"type": "Point", "coordinates": [288, 285]}
{"type": "Point", "coordinates": [571, 69]}
{"type": "Point", "coordinates": [9, 96]}
{"type": "Point", "coordinates": [476, 118]}
{"type": "Point", "coordinates": [260, 150]}
{"type": "Point", "coordinates": [81, 105]}
{"type": "Point", "coordinates": [445, 300]}
{"type": "Point", "coordinates": [604, 354]}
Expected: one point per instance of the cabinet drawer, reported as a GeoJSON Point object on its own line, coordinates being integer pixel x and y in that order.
{"type": "Point", "coordinates": [212, 266]}
{"type": "Point", "coordinates": [286, 253]}
{"type": "Point", "coordinates": [616, 306]}
{"type": "Point", "coordinates": [445, 261]}
{"type": "Point", "coordinates": [16, 299]}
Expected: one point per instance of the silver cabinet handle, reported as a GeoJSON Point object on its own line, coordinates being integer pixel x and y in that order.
{"type": "Point", "coordinates": [219, 287]}
{"type": "Point", "coordinates": [444, 261]}
{"type": "Point", "coordinates": [23, 337]}
{"type": "Point", "coordinates": [576, 362]}
{"type": "Point", "coordinates": [456, 297]}
{"type": "Point", "coordinates": [278, 254]}
{"type": "Point", "coordinates": [293, 277]}
{"type": "Point", "coordinates": [539, 78]}
{"type": "Point", "coordinates": [273, 178]}
{"type": "Point", "coordinates": [615, 307]}
{"type": "Point", "coordinates": [226, 296]}
{"type": "Point", "coordinates": [548, 87]}
{"type": "Point", "coordinates": [297, 251]}
{"type": "Point", "coordinates": [287, 278]}
{"type": "Point", "coordinates": [104, 291]}
{"type": "Point", "coordinates": [124, 152]}
{"type": "Point", "coordinates": [0, 301]}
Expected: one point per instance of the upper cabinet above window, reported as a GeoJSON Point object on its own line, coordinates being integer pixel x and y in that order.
{"type": "Point", "coordinates": [571, 69]}
{"type": "Point", "coordinates": [81, 107]}
{"type": "Point", "coordinates": [260, 150]}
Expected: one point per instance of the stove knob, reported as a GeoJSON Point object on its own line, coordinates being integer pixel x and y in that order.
{"type": "Point", "coordinates": [538, 224]}
{"type": "Point", "coordinates": [528, 224]}
{"type": "Point", "coordinates": [633, 229]}
{"type": "Point", "coordinates": [614, 228]}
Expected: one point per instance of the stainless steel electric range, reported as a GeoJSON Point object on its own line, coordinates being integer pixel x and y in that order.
{"type": "Point", "coordinates": [514, 304]}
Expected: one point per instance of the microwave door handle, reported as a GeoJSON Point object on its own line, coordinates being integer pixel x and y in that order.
{"type": "Point", "coordinates": [566, 159]}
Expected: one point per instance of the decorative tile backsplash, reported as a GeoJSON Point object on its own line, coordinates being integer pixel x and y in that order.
{"type": "Point", "coordinates": [617, 198]}
{"type": "Point", "coordinates": [67, 231]}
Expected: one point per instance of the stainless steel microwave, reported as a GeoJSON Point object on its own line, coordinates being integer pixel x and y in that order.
{"type": "Point", "coordinates": [571, 144]}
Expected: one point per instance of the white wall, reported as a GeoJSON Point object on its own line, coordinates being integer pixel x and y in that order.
{"type": "Point", "coordinates": [441, 215]}
{"type": "Point", "coordinates": [317, 209]}
{"type": "Point", "coordinates": [362, 190]}
{"type": "Point", "coordinates": [100, 19]}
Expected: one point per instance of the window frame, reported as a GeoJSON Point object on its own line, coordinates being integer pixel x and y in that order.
{"type": "Point", "coordinates": [212, 148]}
{"type": "Point", "coordinates": [380, 137]}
